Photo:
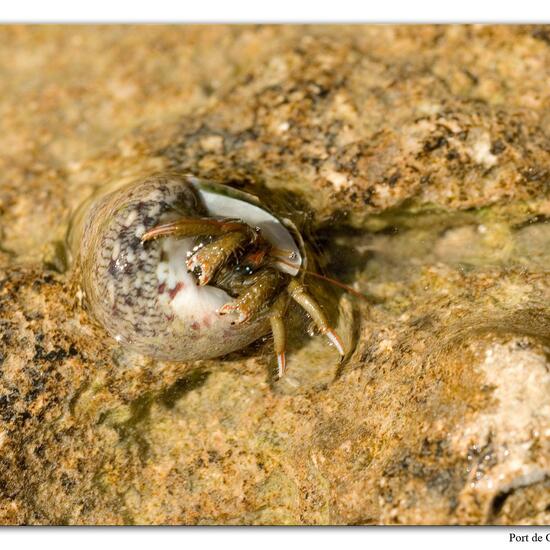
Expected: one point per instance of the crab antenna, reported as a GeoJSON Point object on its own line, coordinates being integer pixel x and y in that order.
{"type": "Point", "coordinates": [338, 283]}
{"type": "Point", "coordinates": [325, 278]}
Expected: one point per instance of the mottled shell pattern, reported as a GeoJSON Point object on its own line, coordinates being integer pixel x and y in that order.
{"type": "Point", "coordinates": [142, 293]}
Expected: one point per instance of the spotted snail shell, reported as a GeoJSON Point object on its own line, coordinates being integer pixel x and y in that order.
{"type": "Point", "coordinates": [142, 293]}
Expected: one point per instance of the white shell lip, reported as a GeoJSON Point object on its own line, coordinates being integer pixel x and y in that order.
{"type": "Point", "coordinates": [227, 202]}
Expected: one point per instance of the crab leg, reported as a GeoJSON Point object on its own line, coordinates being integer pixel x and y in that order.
{"type": "Point", "coordinates": [298, 294]}
{"type": "Point", "coordinates": [264, 284]}
{"type": "Point", "coordinates": [231, 234]}
{"type": "Point", "coordinates": [193, 227]}
{"type": "Point", "coordinates": [279, 334]}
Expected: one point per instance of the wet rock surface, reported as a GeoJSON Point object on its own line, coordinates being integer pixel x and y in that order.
{"type": "Point", "coordinates": [421, 154]}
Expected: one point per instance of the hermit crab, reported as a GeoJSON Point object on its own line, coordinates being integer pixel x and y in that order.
{"type": "Point", "coordinates": [181, 269]}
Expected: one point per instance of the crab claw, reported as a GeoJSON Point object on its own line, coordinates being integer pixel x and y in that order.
{"type": "Point", "coordinates": [231, 307]}
{"type": "Point", "coordinates": [201, 271]}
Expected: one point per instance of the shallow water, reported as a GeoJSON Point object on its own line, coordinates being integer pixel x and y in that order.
{"type": "Point", "coordinates": [494, 268]}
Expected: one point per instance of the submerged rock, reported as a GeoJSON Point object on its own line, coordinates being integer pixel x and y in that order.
{"type": "Point", "coordinates": [421, 154]}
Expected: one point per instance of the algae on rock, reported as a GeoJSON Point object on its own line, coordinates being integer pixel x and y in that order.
{"type": "Point", "coordinates": [422, 155]}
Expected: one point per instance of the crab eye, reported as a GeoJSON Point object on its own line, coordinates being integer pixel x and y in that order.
{"type": "Point", "coordinates": [244, 269]}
